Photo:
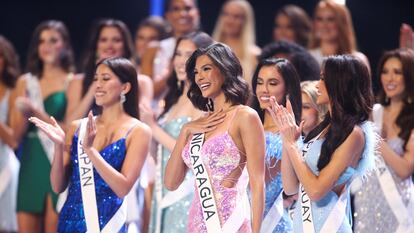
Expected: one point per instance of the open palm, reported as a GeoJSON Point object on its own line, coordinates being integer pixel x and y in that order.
{"type": "Point", "coordinates": [53, 131]}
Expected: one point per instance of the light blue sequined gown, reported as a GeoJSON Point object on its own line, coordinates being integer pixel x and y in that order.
{"type": "Point", "coordinates": [274, 187]}
{"type": "Point", "coordinates": [174, 217]}
{"type": "Point", "coordinates": [72, 218]}
{"type": "Point", "coordinates": [322, 208]}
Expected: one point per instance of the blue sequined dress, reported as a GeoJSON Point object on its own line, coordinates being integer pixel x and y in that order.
{"type": "Point", "coordinates": [72, 218]}
{"type": "Point", "coordinates": [174, 217]}
{"type": "Point", "coordinates": [322, 208]}
{"type": "Point", "coordinates": [274, 186]}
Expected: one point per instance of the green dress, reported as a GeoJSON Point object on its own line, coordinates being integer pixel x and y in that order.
{"type": "Point", "coordinates": [34, 177]}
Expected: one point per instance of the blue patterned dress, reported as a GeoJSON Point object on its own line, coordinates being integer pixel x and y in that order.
{"type": "Point", "coordinates": [322, 208]}
{"type": "Point", "coordinates": [274, 187]}
{"type": "Point", "coordinates": [72, 216]}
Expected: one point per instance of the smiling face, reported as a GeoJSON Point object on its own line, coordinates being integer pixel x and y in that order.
{"type": "Point", "coordinates": [184, 50]}
{"type": "Point", "coordinates": [269, 83]}
{"type": "Point", "coordinates": [208, 77]}
{"type": "Point", "coordinates": [183, 16]}
{"type": "Point", "coordinates": [326, 28]}
{"type": "Point", "coordinates": [108, 86]}
{"type": "Point", "coordinates": [322, 93]}
{"type": "Point", "coordinates": [110, 43]}
{"type": "Point", "coordinates": [50, 46]}
{"type": "Point", "coordinates": [392, 79]}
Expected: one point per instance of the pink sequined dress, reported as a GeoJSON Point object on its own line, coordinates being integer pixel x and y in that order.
{"type": "Point", "coordinates": [222, 159]}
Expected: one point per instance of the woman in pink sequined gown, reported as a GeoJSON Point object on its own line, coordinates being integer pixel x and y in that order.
{"type": "Point", "coordinates": [233, 150]}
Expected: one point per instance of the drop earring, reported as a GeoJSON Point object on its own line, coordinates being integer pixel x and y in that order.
{"type": "Point", "coordinates": [210, 105]}
{"type": "Point", "coordinates": [122, 98]}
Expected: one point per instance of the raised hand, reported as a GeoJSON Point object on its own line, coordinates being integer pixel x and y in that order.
{"type": "Point", "coordinates": [25, 106]}
{"type": "Point", "coordinates": [406, 36]}
{"type": "Point", "coordinates": [146, 115]}
{"type": "Point", "coordinates": [284, 119]}
{"type": "Point", "coordinates": [206, 123]}
{"type": "Point", "coordinates": [90, 132]}
{"type": "Point", "coordinates": [53, 131]}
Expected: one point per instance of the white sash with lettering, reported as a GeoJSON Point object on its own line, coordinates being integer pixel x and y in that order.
{"type": "Point", "coordinates": [171, 197]}
{"type": "Point", "coordinates": [274, 215]}
{"type": "Point", "coordinates": [88, 192]}
{"type": "Point", "coordinates": [337, 215]}
{"type": "Point", "coordinates": [404, 214]}
{"type": "Point", "coordinates": [304, 200]}
{"type": "Point", "coordinates": [206, 194]}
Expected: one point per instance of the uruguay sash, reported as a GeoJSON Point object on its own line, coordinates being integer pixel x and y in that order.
{"type": "Point", "coordinates": [337, 214]}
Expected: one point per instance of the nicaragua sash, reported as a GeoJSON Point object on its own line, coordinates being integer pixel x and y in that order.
{"type": "Point", "coordinates": [206, 194]}
{"type": "Point", "coordinates": [87, 183]}
{"type": "Point", "coordinates": [274, 215]}
{"type": "Point", "coordinates": [401, 212]}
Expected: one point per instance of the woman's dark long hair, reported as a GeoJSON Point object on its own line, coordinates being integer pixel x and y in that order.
{"type": "Point", "coordinates": [235, 88]}
{"type": "Point", "coordinates": [125, 71]}
{"type": "Point", "coordinates": [348, 86]}
{"type": "Point", "coordinates": [176, 87]}
{"type": "Point", "coordinates": [11, 67]}
{"type": "Point", "coordinates": [300, 22]}
{"type": "Point", "coordinates": [90, 56]}
{"type": "Point", "coordinates": [34, 64]}
{"type": "Point", "coordinates": [405, 119]}
{"type": "Point", "coordinates": [292, 85]}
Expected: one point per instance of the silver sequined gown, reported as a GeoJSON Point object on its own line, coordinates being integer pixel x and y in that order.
{"type": "Point", "coordinates": [372, 212]}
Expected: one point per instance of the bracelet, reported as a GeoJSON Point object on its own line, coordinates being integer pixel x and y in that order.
{"type": "Point", "coordinates": [285, 196]}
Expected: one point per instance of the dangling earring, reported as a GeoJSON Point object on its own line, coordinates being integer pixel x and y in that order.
{"type": "Point", "coordinates": [210, 105]}
{"type": "Point", "coordinates": [179, 84]}
{"type": "Point", "coordinates": [409, 100]}
{"type": "Point", "coordinates": [122, 97]}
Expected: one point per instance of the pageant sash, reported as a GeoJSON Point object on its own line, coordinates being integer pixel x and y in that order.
{"type": "Point", "coordinates": [34, 93]}
{"type": "Point", "coordinates": [171, 197]}
{"type": "Point", "coordinates": [304, 200]}
{"type": "Point", "coordinates": [204, 189]}
{"type": "Point", "coordinates": [389, 189]}
{"type": "Point", "coordinates": [206, 194]}
{"type": "Point", "coordinates": [11, 164]}
{"type": "Point", "coordinates": [337, 214]}
{"type": "Point", "coordinates": [388, 186]}
{"type": "Point", "coordinates": [274, 215]}
{"type": "Point", "coordinates": [87, 182]}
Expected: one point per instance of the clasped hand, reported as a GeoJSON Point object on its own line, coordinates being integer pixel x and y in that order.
{"type": "Point", "coordinates": [284, 118]}
{"type": "Point", "coordinates": [205, 123]}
